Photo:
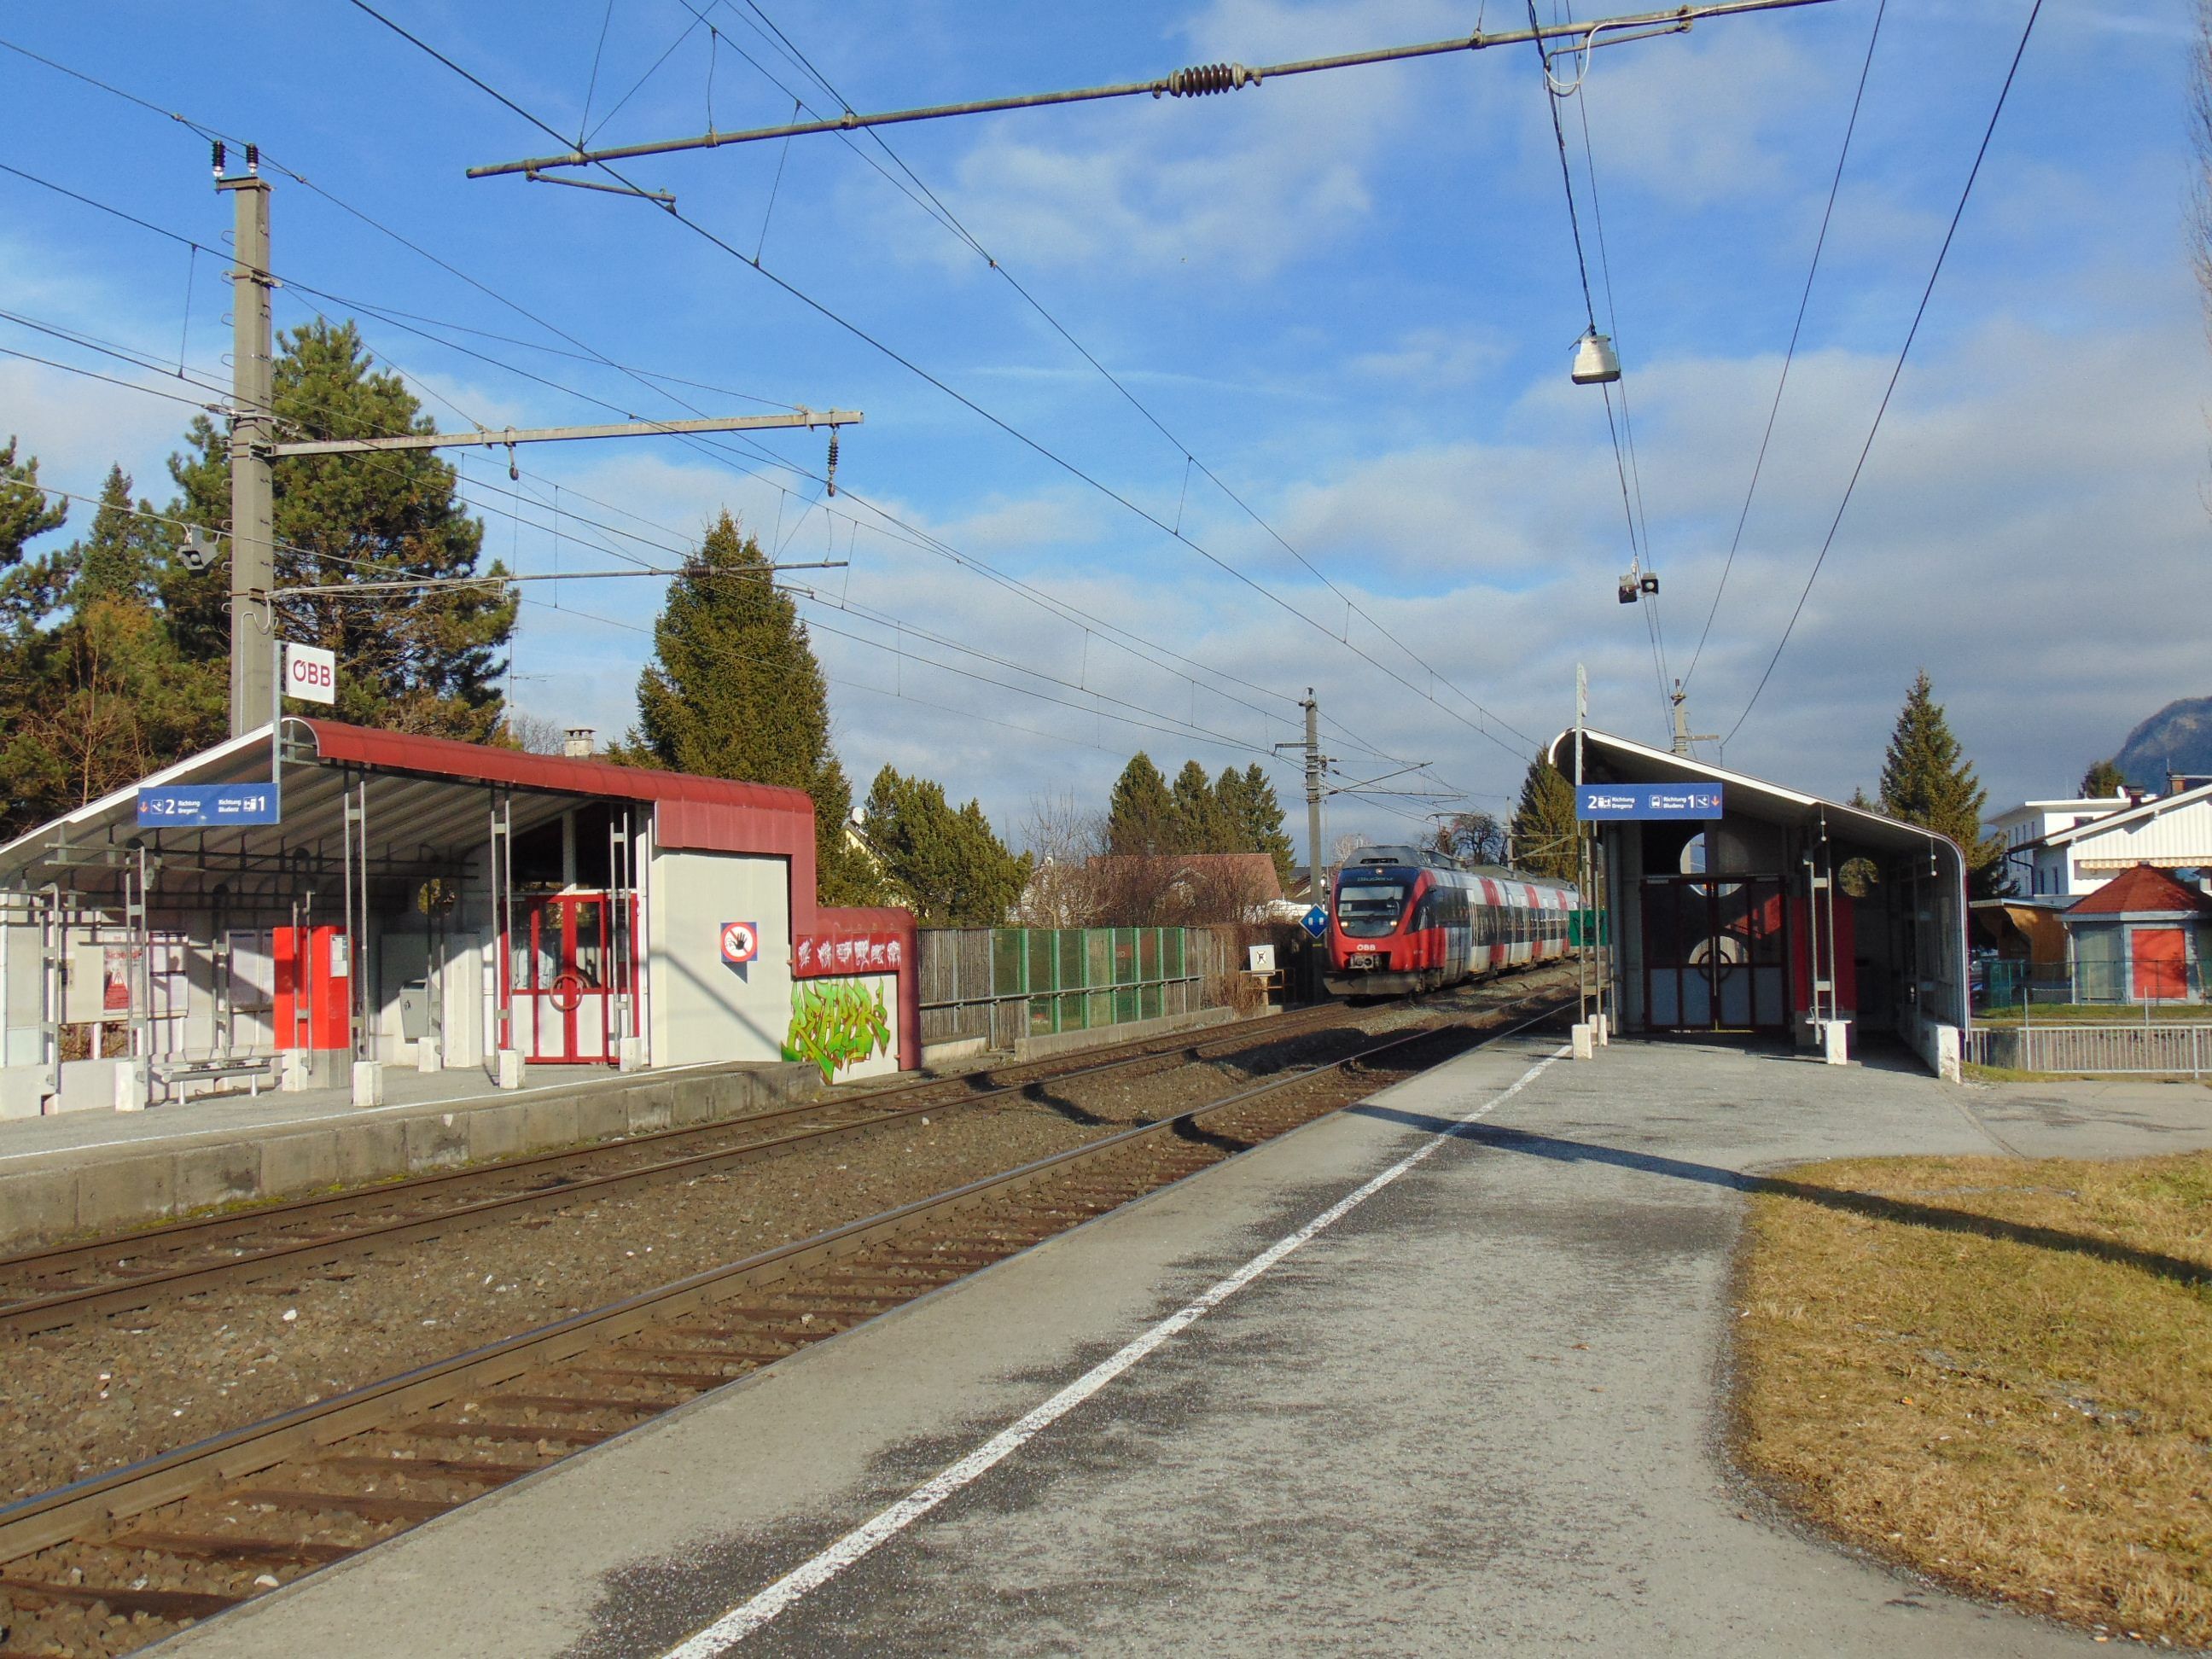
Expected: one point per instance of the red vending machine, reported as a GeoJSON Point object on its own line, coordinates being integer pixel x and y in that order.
{"type": "Point", "coordinates": [314, 989]}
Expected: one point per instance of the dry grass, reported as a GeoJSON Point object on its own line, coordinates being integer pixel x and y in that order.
{"type": "Point", "coordinates": [1997, 1372]}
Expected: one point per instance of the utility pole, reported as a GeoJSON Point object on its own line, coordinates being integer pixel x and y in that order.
{"type": "Point", "coordinates": [254, 448]}
{"type": "Point", "coordinates": [252, 530]}
{"type": "Point", "coordinates": [1317, 770]}
{"type": "Point", "coordinates": [1683, 736]}
{"type": "Point", "coordinates": [1315, 761]}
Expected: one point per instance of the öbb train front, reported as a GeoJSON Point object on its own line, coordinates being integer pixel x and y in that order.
{"type": "Point", "coordinates": [1404, 919]}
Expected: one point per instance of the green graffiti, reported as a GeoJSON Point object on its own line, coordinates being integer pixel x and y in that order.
{"type": "Point", "coordinates": [835, 1024]}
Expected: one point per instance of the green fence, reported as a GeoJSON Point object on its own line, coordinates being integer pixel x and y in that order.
{"type": "Point", "coordinates": [1002, 984]}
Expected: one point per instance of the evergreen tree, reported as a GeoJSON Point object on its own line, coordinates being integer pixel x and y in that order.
{"type": "Point", "coordinates": [733, 691]}
{"type": "Point", "coordinates": [1250, 800]}
{"type": "Point", "coordinates": [949, 866]}
{"type": "Point", "coordinates": [1545, 833]}
{"type": "Point", "coordinates": [2103, 781]}
{"type": "Point", "coordinates": [120, 558]}
{"type": "Point", "coordinates": [1926, 779]}
{"type": "Point", "coordinates": [28, 592]}
{"type": "Point", "coordinates": [1140, 812]}
{"type": "Point", "coordinates": [427, 662]}
{"type": "Point", "coordinates": [1201, 824]}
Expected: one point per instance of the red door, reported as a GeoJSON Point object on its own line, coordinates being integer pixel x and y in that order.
{"type": "Point", "coordinates": [2160, 956]}
{"type": "Point", "coordinates": [565, 976]}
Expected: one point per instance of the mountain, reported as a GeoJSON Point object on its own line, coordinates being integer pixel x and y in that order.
{"type": "Point", "coordinates": [2178, 736]}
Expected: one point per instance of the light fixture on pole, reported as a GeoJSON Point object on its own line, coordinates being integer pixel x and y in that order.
{"type": "Point", "coordinates": [1596, 363]}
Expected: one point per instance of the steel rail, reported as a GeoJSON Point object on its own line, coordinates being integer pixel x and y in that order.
{"type": "Point", "coordinates": [55, 1516]}
{"type": "Point", "coordinates": [1183, 83]}
{"type": "Point", "coordinates": [36, 1313]}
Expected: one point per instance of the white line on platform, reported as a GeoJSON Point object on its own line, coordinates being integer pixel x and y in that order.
{"type": "Point", "coordinates": [741, 1621]}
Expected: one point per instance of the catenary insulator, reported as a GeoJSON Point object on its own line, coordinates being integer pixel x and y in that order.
{"type": "Point", "coordinates": [1203, 80]}
{"type": "Point", "coordinates": [829, 472]}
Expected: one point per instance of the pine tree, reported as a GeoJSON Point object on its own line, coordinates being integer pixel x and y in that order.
{"type": "Point", "coordinates": [1545, 833]}
{"type": "Point", "coordinates": [429, 662]}
{"type": "Point", "coordinates": [1926, 779]}
{"type": "Point", "coordinates": [1140, 812]}
{"type": "Point", "coordinates": [948, 867]}
{"type": "Point", "coordinates": [2103, 781]}
{"type": "Point", "coordinates": [733, 691]}
{"type": "Point", "coordinates": [1250, 800]}
{"type": "Point", "coordinates": [28, 593]}
{"type": "Point", "coordinates": [1201, 825]}
{"type": "Point", "coordinates": [119, 557]}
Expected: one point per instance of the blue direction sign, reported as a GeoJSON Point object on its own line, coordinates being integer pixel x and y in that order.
{"type": "Point", "coordinates": [1314, 921]}
{"type": "Point", "coordinates": [1598, 801]}
{"type": "Point", "coordinates": [206, 806]}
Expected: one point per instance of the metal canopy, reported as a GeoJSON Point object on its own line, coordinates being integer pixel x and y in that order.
{"type": "Point", "coordinates": [418, 826]}
{"type": "Point", "coordinates": [1610, 759]}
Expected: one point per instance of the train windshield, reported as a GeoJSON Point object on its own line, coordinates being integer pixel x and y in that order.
{"type": "Point", "coordinates": [1368, 907]}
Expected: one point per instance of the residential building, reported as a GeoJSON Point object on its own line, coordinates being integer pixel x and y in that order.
{"type": "Point", "coordinates": [2028, 825]}
{"type": "Point", "coordinates": [2171, 833]}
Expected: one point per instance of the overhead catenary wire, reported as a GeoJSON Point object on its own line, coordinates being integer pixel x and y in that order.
{"type": "Point", "coordinates": [1146, 651]}
{"type": "Point", "coordinates": [1927, 292]}
{"type": "Point", "coordinates": [1790, 353]}
{"type": "Point", "coordinates": [996, 421]}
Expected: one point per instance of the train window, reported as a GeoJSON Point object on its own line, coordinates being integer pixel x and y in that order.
{"type": "Point", "coordinates": [1368, 909]}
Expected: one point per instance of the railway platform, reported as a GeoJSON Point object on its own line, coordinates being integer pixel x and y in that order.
{"type": "Point", "coordinates": [1436, 1374]}
{"type": "Point", "coordinates": [78, 1170]}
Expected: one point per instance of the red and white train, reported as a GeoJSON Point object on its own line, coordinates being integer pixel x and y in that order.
{"type": "Point", "coordinates": [1404, 919]}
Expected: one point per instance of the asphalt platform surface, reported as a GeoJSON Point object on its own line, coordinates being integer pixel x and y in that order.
{"type": "Point", "coordinates": [1480, 1412]}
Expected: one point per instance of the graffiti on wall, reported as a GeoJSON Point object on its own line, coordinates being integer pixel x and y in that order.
{"type": "Point", "coordinates": [837, 1024]}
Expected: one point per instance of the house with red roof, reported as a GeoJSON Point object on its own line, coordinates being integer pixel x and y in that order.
{"type": "Point", "coordinates": [2143, 936]}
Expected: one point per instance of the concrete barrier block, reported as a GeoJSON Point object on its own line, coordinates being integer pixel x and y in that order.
{"type": "Point", "coordinates": [506, 1069]}
{"type": "Point", "coordinates": [300, 1163]}
{"type": "Point", "coordinates": [372, 1151]}
{"type": "Point", "coordinates": [37, 1204]}
{"type": "Point", "coordinates": [437, 1142]}
{"type": "Point", "coordinates": [117, 1192]}
{"type": "Point", "coordinates": [201, 1176]}
{"type": "Point", "coordinates": [369, 1083]}
{"type": "Point", "coordinates": [427, 1055]}
{"type": "Point", "coordinates": [500, 1131]}
{"type": "Point", "coordinates": [1584, 1045]}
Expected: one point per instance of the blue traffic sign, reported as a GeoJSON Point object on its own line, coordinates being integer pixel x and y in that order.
{"type": "Point", "coordinates": [1314, 921]}
{"type": "Point", "coordinates": [207, 806]}
{"type": "Point", "coordinates": [1598, 801]}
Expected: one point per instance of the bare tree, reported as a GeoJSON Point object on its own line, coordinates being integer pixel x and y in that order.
{"type": "Point", "coordinates": [1475, 838]}
{"type": "Point", "coordinates": [1065, 843]}
{"type": "Point", "coordinates": [533, 733]}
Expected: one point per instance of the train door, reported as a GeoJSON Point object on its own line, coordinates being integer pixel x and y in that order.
{"type": "Point", "coordinates": [567, 966]}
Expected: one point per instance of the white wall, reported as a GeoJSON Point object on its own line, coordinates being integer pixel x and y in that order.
{"type": "Point", "coordinates": [703, 1009]}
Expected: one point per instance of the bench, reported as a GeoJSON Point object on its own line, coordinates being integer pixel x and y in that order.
{"type": "Point", "coordinates": [257, 1071]}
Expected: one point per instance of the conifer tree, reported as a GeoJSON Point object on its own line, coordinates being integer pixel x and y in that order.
{"type": "Point", "coordinates": [427, 662]}
{"type": "Point", "coordinates": [733, 691]}
{"type": "Point", "coordinates": [1545, 833]}
{"type": "Point", "coordinates": [120, 556]}
{"type": "Point", "coordinates": [1927, 779]}
{"type": "Point", "coordinates": [1201, 824]}
{"type": "Point", "coordinates": [948, 867]}
{"type": "Point", "coordinates": [28, 592]}
{"type": "Point", "coordinates": [1250, 802]}
{"type": "Point", "coordinates": [1140, 812]}
{"type": "Point", "coordinates": [2104, 779]}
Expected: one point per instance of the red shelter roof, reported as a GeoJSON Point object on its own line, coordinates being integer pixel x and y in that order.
{"type": "Point", "coordinates": [2141, 891]}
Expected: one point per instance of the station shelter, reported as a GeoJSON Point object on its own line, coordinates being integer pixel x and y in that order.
{"type": "Point", "coordinates": [1787, 916]}
{"type": "Point", "coordinates": [426, 902]}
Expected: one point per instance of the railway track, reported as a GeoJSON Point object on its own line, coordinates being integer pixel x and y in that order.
{"type": "Point", "coordinates": [45, 1289]}
{"type": "Point", "coordinates": [111, 1563]}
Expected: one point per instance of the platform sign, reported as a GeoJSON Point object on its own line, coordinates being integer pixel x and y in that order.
{"type": "Point", "coordinates": [1604, 802]}
{"type": "Point", "coordinates": [311, 674]}
{"type": "Point", "coordinates": [1314, 921]}
{"type": "Point", "coordinates": [740, 942]}
{"type": "Point", "coordinates": [206, 806]}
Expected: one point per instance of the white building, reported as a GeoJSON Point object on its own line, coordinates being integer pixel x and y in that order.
{"type": "Point", "coordinates": [2031, 824]}
{"type": "Point", "coordinates": [2175, 833]}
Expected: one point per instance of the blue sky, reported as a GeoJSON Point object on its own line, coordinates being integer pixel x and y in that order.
{"type": "Point", "coordinates": [1353, 297]}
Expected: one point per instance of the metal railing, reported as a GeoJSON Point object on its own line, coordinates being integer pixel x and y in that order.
{"type": "Point", "coordinates": [2153, 1048]}
{"type": "Point", "coordinates": [2017, 986]}
{"type": "Point", "coordinates": [1002, 984]}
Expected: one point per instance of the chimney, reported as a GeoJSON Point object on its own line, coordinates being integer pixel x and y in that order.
{"type": "Point", "coordinates": [581, 743]}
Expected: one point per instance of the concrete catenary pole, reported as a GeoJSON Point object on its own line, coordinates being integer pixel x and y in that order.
{"type": "Point", "coordinates": [253, 534]}
{"type": "Point", "coordinates": [1313, 762]}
